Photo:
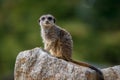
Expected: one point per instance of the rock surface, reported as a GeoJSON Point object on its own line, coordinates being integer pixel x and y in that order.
{"type": "Point", "coordinates": [36, 64]}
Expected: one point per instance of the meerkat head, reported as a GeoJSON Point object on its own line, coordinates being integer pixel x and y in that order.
{"type": "Point", "coordinates": [47, 20]}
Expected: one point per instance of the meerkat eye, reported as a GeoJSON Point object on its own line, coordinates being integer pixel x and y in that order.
{"type": "Point", "coordinates": [43, 18]}
{"type": "Point", "coordinates": [50, 18]}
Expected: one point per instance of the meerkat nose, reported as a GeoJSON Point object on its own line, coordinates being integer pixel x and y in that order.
{"type": "Point", "coordinates": [47, 22]}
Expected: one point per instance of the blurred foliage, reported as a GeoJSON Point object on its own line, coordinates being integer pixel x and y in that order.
{"type": "Point", "coordinates": [93, 24]}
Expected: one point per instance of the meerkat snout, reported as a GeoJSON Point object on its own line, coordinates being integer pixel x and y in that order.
{"type": "Point", "coordinates": [47, 22]}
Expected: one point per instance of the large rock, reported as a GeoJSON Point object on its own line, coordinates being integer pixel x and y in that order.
{"type": "Point", "coordinates": [36, 64]}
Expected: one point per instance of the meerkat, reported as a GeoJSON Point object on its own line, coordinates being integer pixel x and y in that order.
{"type": "Point", "coordinates": [58, 42]}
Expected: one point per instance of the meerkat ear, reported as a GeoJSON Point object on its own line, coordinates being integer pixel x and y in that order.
{"type": "Point", "coordinates": [54, 20]}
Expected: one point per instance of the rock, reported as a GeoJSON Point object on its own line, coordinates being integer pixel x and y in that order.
{"type": "Point", "coordinates": [37, 64]}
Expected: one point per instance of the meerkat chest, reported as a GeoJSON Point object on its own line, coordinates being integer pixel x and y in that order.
{"type": "Point", "coordinates": [49, 35]}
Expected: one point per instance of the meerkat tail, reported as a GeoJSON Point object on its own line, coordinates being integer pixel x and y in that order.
{"type": "Point", "coordinates": [99, 73]}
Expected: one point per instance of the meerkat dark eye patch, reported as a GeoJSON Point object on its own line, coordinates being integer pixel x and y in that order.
{"type": "Point", "coordinates": [50, 18]}
{"type": "Point", "coordinates": [43, 18]}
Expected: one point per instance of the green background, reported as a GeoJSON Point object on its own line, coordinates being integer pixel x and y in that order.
{"type": "Point", "coordinates": [93, 24]}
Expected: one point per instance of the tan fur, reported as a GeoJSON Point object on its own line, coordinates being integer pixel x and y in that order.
{"type": "Point", "coordinates": [59, 42]}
